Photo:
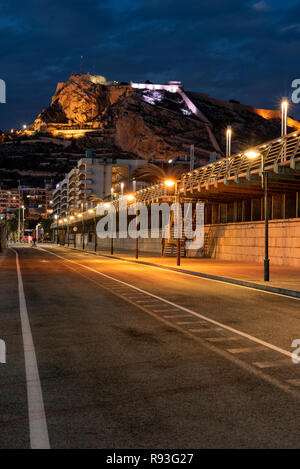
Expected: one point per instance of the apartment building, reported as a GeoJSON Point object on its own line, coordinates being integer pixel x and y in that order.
{"type": "Point", "coordinates": [60, 198]}
{"type": "Point", "coordinates": [37, 202]}
{"type": "Point", "coordinates": [10, 200]}
{"type": "Point", "coordinates": [90, 181]}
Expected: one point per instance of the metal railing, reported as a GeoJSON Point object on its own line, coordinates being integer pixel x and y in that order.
{"type": "Point", "coordinates": [280, 152]}
{"type": "Point", "coordinates": [284, 151]}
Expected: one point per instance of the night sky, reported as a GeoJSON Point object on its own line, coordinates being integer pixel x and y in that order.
{"type": "Point", "coordinates": [243, 50]}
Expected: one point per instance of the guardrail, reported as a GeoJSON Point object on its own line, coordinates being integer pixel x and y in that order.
{"type": "Point", "coordinates": [280, 152]}
{"type": "Point", "coordinates": [284, 151]}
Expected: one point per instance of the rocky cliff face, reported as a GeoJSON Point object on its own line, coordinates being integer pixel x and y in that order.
{"type": "Point", "coordinates": [151, 123]}
{"type": "Point", "coordinates": [78, 101]}
{"type": "Point", "coordinates": [116, 120]}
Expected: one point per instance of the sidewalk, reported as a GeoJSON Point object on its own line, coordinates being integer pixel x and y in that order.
{"type": "Point", "coordinates": [283, 279]}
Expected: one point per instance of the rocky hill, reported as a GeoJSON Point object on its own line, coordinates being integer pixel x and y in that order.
{"type": "Point", "coordinates": [119, 120]}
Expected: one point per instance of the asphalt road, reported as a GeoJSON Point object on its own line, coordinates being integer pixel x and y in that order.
{"type": "Point", "coordinates": [131, 356]}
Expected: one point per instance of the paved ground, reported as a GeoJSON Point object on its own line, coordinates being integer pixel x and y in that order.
{"type": "Point", "coordinates": [280, 276]}
{"type": "Point", "coordinates": [130, 356]}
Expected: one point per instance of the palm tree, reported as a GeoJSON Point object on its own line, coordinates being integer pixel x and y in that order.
{"type": "Point", "coordinates": [152, 173]}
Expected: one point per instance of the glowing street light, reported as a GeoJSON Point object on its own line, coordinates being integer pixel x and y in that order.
{"type": "Point", "coordinates": [228, 141]}
{"type": "Point", "coordinates": [284, 108]}
{"type": "Point", "coordinates": [130, 197]}
{"type": "Point", "coordinates": [169, 183]}
{"type": "Point", "coordinates": [252, 154]}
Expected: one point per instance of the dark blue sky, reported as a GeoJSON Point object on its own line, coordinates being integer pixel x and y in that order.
{"type": "Point", "coordinates": [245, 50]}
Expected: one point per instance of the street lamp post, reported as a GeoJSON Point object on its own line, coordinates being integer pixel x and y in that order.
{"type": "Point", "coordinates": [130, 198]}
{"type": "Point", "coordinates": [80, 215]}
{"type": "Point", "coordinates": [19, 223]}
{"type": "Point", "coordinates": [284, 110]}
{"type": "Point", "coordinates": [92, 211]}
{"type": "Point", "coordinates": [68, 231]}
{"type": "Point", "coordinates": [66, 221]}
{"type": "Point", "coordinates": [23, 221]}
{"type": "Point", "coordinates": [252, 154]}
{"type": "Point", "coordinates": [71, 220]}
{"type": "Point", "coordinates": [266, 260]}
{"type": "Point", "coordinates": [170, 183]}
{"type": "Point", "coordinates": [83, 233]}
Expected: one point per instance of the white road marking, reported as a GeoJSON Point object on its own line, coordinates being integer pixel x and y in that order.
{"type": "Point", "coordinates": [39, 438]}
{"type": "Point", "coordinates": [175, 316]}
{"type": "Point", "coordinates": [205, 329]}
{"type": "Point", "coordinates": [183, 323]}
{"type": "Point", "coordinates": [221, 339]}
{"type": "Point", "coordinates": [274, 364]}
{"type": "Point", "coordinates": [246, 349]}
{"type": "Point", "coordinates": [182, 308]}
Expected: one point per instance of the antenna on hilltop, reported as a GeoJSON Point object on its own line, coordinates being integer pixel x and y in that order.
{"type": "Point", "coordinates": [81, 64]}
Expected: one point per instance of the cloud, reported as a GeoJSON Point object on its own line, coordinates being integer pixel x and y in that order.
{"type": "Point", "coordinates": [229, 49]}
{"type": "Point", "coordinates": [261, 6]}
{"type": "Point", "coordinates": [291, 27]}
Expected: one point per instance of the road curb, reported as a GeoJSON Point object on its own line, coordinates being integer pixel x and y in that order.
{"type": "Point", "coordinates": [233, 281]}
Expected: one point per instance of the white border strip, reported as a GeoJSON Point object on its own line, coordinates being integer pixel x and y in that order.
{"type": "Point", "coordinates": [39, 438]}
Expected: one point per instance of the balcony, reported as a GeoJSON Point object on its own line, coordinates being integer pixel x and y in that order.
{"type": "Point", "coordinates": [73, 199]}
{"type": "Point", "coordinates": [84, 192]}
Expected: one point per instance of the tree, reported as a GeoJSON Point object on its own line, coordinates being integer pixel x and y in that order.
{"type": "Point", "coordinates": [12, 228]}
{"type": "Point", "coordinates": [46, 225]}
{"type": "Point", "coordinates": [152, 173]}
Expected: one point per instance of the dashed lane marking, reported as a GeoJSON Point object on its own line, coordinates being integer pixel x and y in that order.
{"type": "Point", "coordinates": [176, 316]}
{"type": "Point", "coordinates": [280, 384]}
{"type": "Point", "coordinates": [246, 349]}
{"type": "Point", "coordinates": [221, 339]}
{"type": "Point", "coordinates": [205, 329]}
{"type": "Point", "coordinates": [273, 364]}
{"type": "Point", "coordinates": [183, 323]}
{"type": "Point", "coordinates": [181, 308]}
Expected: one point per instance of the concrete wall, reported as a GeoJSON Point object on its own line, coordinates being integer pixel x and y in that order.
{"type": "Point", "coordinates": [151, 246]}
{"type": "Point", "coordinates": [245, 242]}
{"type": "Point", "coordinates": [242, 242]}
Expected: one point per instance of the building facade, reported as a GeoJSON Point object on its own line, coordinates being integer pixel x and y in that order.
{"type": "Point", "coordinates": [92, 180]}
{"type": "Point", "coordinates": [37, 202]}
{"type": "Point", "coordinates": [10, 201]}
